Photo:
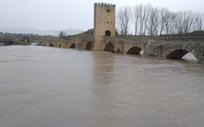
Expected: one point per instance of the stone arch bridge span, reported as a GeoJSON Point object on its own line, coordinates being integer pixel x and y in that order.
{"type": "Point", "coordinates": [162, 47]}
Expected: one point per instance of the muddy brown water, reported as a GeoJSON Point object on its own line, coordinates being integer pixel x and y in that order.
{"type": "Point", "coordinates": [52, 87]}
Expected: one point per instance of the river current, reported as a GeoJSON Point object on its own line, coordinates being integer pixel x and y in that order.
{"type": "Point", "coordinates": [52, 87]}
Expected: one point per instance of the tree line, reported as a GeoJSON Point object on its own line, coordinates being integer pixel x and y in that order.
{"type": "Point", "coordinates": [151, 21]}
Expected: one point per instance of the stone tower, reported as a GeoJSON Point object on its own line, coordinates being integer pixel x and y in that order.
{"type": "Point", "coordinates": [104, 23]}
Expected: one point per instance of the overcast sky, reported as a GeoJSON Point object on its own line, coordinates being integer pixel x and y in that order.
{"type": "Point", "coordinates": [71, 14]}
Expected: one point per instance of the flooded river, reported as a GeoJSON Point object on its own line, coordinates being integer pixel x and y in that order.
{"type": "Point", "coordinates": [52, 87]}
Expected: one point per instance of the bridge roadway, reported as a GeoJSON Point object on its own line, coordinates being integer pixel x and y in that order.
{"type": "Point", "coordinates": [162, 47]}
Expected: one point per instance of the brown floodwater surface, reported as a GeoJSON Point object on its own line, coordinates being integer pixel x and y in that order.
{"type": "Point", "coordinates": [52, 87]}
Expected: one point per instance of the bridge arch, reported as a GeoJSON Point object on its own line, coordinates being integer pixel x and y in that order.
{"type": "Point", "coordinates": [180, 54]}
{"type": "Point", "coordinates": [80, 46]}
{"type": "Point", "coordinates": [51, 45]}
{"type": "Point", "coordinates": [134, 50]}
{"type": "Point", "coordinates": [109, 47]}
{"type": "Point", "coordinates": [177, 54]}
{"type": "Point", "coordinates": [118, 50]}
{"type": "Point", "coordinates": [72, 46]}
{"type": "Point", "coordinates": [88, 46]}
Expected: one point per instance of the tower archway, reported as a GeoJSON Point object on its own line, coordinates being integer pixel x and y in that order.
{"type": "Point", "coordinates": [109, 47]}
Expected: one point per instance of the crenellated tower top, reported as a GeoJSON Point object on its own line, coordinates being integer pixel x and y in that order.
{"type": "Point", "coordinates": [104, 4]}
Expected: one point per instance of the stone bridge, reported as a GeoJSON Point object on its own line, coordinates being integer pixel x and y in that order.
{"type": "Point", "coordinates": [4, 42]}
{"type": "Point", "coordinates": [74, 43]}
{"type": "Point", "coordinates": [103, 37]}
{"type": "Point", "coordinates": [84, 41]}
{"type": "Point", "coordinates": [162, 47]}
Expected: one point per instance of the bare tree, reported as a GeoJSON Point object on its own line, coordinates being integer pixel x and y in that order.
{"type": "Point", "coordinates": [163, 20]}
{"type": "Point", "coordinates": [170, 21]}
{"type": "Point", "coordinates": [124, 20]}
{"type": "Point", "coordinates": [197, 26]}
{"type": "Point", "coordinates": [149, 20]}
{"type": "Point", "coordinates": [143, 19]}
{"type": "Point", "coordinates": [189, 21]}
{"type": "Point", "coordinates": [153, 21]}
{"type": "Point", "coordinates": [136, 12]}
{"type": "Point", "coordinates": [185, 22]}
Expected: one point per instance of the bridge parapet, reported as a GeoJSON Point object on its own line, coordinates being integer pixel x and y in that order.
{"type": "Point", "coordinates": [156, 38]}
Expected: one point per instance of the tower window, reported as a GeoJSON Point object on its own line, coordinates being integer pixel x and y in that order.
{"type": "Point", "coordinates": [108, 10]}
{"type": "Point", "coordinates": [107, 33]}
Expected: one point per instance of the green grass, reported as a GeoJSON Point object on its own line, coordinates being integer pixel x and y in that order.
{"type": "Point", "coordinates": [22, 43]}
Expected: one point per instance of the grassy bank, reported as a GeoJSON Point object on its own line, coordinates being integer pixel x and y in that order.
{"type": "Point", "coordinates": [22, 43]}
